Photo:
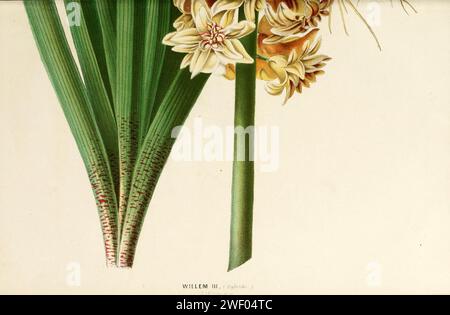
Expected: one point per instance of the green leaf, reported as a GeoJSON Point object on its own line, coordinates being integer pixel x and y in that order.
{"type": "Point", "coordinates": [140, 70]}
{"type": "Point", "coordinates": [170, 68]}
{"type": "Point", "coordinates": [158, 20]}
{"type": "Point", "coordinates": [92, 19]}
{"type": "Point", "coordinates": [96, 88]}
{"type": "Point", "coordinates": [66, 80]}
{"type": "Point", "coordinates": [107, 17]}
{"type": "Point", "coordinates": [125, 113]}
{"type": "Point", "coordinates": [177, 103]}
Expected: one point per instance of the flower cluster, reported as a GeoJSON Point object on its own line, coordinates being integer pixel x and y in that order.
{"type": "Point", "coordinates": [209, 33]}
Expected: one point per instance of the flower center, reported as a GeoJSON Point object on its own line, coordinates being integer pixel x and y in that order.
{"type": "Point", "coordinates": [213, 37]}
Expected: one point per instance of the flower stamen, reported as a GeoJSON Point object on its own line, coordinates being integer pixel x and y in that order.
{"type": "Point", "coordinates": [213, 38]}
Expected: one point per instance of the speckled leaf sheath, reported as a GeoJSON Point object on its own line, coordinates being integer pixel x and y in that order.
{"type": "Point", "coordinates": [66, 80]}
{"type": "Point", "coordinates": [140, 71]}
{"type": "Point", "coordinates": [173, 111]}
{"type": "Point", "coordinates": [118, 102]}
{"type": "Point", "coordinates": [126, 120]}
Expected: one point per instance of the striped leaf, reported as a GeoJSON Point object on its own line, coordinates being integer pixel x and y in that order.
{"type": "Point", "coordinates": [66, 80]}
{"type": "Point", "coordinates": [92, 19]}
{"type": "Point", "coordinates": [157, 21]}
{"type": "Point", "coordinates": [125, 113]}
{"type": "Point", "coordinates": [107, 18]}
{"type": "Point", "coordinates": [171, 66]}
{"type": "Point", "coordinates": [96, 87]}
{"type": "Point", "coordinates": [176, 106]}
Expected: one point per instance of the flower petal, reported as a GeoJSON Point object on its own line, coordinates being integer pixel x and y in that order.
{"type": "Point", "coordinates": [203, 61]}
{"type": "Point", "coordinates": [201, 14]}
{"type": "Point", "coordinates": [186, 61]}
{"type": "Point", "coordinates": [183, 22]}
{"type": "Point", "coordinates": [225, 5]}
{"type": "Point", "coordinates": [224, 18]}
{"type": "Point", "coordinates": [185, 37]}
{"type": "Point", "coordinates": [239, 30]}
{"type": "Point", "coordinates": [249, 10]}
{"type": "Point", "coordinates": [239, 48]}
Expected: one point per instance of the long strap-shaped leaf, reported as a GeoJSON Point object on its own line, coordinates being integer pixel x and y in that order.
{"type": "Point", "coordinates": [92, 19]}
{"type": "Point", "coordinates": [158, 16]}
{"type": "Point", "coordinates": [107, 16]}
{"type": "Point", "coordinates": [66, 80]}
{"type": "Point", "coordinates": [126, 120]}
{"type": "Point", "coordinates": [170, 67]}
{"type": "Point", "coordinates": [96, 87]}
{"type": "Point", "coordinates": [173, 111]}
{"type": "Point", "coordinates": [140, 70]}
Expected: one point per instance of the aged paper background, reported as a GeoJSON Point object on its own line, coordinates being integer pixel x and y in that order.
{"type": "Point", "coordinates": [359, 204]}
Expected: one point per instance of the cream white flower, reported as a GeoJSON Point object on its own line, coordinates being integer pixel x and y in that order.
{"type": "Point", "coordinates": [250, 6]}
{"type": "Point", "coordinates": [290, 19]}
{"type": "Point", "coordinates": [296, 71]}
{"type": "Point", "coordinates": [212, 42]}
{"type": "Point", "coordinates": [185, 20]}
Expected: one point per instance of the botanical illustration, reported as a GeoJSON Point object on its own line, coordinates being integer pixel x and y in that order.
{"type": "Point", "coordinates": [140, 66]}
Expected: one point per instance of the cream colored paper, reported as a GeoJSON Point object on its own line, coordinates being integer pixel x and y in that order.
{"type": "Point", "coordinates": [360, 202]}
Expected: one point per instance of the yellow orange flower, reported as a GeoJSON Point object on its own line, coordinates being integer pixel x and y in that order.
{"type": "Point", "coordinates": [287, 56]}
{"type": "Point", "coordinates": [290, 73]}
{"type": "Point", "coordinates": [289, 19]}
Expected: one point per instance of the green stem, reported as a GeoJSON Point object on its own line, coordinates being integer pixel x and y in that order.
{"type": "Point", "coordinates": [243, 166]}
{"type": "Point", "coordinates": [262, 58]}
